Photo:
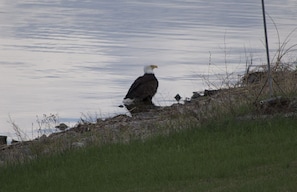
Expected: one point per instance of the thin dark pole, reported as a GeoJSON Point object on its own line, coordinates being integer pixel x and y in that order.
{"type": "Point", "coordinates": [267, 50]}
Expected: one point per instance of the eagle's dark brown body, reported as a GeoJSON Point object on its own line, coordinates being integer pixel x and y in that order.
{"type": "Point", "coordinates": [143, 89]}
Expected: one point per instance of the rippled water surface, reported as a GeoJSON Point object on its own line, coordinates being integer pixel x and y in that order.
{"type": "Point", "coordinates": [70, 57]}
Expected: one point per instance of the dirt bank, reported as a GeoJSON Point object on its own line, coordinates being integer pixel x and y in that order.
{"type": "Point", "coordinates": [124, 128]}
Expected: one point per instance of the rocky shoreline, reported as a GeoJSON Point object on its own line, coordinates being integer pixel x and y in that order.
{"type": "Point", "coordinates": [156, 121]}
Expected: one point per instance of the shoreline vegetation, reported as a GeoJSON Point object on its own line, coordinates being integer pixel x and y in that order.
{"type": "Point", "coordinates": [215, 105]}
{"type": "Point", "coordinates": [231, 139]}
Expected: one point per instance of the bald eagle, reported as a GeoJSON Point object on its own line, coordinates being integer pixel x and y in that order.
{"type": "Point", "coordinates": [143, 89]}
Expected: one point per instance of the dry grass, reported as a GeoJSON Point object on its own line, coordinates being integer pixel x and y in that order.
{"type": "Point", "coordinates": [20, 134]}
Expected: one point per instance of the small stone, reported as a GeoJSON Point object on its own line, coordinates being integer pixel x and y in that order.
{"type": "Point", "coordinates": [62, 126]}
{"type": "Point", "coordinates": [195, 95]}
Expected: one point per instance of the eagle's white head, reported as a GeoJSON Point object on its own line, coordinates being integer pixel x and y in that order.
{"type": "Point", "coordinates": [149, 69]}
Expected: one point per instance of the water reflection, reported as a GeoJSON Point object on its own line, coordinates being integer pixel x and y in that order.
{"type": "Point", "coordinates": [72, 57]}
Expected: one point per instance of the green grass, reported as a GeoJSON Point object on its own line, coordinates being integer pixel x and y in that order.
{"type": "Point", "coordinates": [228, 155]}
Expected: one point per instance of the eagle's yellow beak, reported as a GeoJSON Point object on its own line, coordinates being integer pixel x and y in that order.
{"type": "Point", "coordinates": [154, 66]}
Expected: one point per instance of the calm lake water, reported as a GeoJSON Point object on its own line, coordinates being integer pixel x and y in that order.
{"type": "Point", "coordinates": [71, 57]}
